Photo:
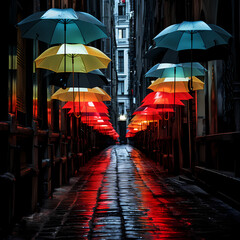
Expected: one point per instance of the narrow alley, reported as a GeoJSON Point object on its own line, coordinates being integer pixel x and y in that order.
{"type": "Point", "coordinates": [120, 194]}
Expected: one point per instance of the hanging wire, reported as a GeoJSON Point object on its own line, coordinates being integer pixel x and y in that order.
{"type": "Point", "coordinates": [74, 112]}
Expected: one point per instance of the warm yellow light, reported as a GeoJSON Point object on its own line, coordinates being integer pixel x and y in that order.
{"type": "Point", "coordinates": [122, 117]}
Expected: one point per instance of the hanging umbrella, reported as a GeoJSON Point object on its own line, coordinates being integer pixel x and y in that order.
{"type": "Point", "coordinates": [89, 108]}
{"type": "Point", "coordinates": [88, 80]}
{"type": "Point", "coordinates": [192, 35]}
{"type": "Point", "coordinates": [162, 98]}
{"type": "Point", "coordinates": [56, 26]}
{"type": "Point", "coordinates": [81, 95]}
{"type": "Point", "coordinates": [79, 58]}
{"type": "Point", "coordinates": [76, 104]}
{"type": "Point", "coordinates": [89, 118]}
{"type": "Point", "coordinates": [146, 117]}
{"type": "Point", "coordinates": [143, 110]}
{"type": "Point", "coordinates": [181, 70]}
{"type": "Point", "coordinates": [181, 85]}
{"type": "Point", "coordinates": [96, 122]}
{"type": "Point", "coordinates": [159, 110]}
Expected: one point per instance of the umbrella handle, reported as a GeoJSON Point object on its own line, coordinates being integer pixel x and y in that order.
{"type": "Point", "coordinates": [167, 116]}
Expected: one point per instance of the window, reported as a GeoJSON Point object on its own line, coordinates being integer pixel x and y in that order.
{"type": "Point", "coordinates": [120, 87]}
{"type": "Point", "coordinates": [121, 61]}
{"type": "Point", "coordinates": [122, 9]}
{"type": "Point", "coordinates": [121, 33]}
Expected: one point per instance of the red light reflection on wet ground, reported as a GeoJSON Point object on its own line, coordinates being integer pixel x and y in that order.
{"type": "Point", "coordinates": [163, 225]}
{"type": "Point", "coordinates": [120, 195]}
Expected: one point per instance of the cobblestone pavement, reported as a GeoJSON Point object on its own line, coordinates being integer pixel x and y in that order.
{"type": "Point", "coordinates": [122, 195]}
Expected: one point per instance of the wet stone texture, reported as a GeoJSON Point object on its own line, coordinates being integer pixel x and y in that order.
{"type": "Point", "coordinates": [122, 195]}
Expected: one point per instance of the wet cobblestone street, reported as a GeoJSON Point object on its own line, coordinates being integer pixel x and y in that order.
{"type": "Point", "coordinates": [122, 195]}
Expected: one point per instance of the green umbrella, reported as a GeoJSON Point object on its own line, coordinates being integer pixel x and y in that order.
{"type": "Point", "coordinates": [57, 26]}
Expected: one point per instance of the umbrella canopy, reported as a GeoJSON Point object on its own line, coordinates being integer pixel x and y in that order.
{"type": "Point", "coordinates": [181, 85]}
{"type": "Point", "coordinates": [192, 35]}
{"type": "Point", "coordinates": [76, 104]}
{"type": "Point", "coordinates": [146, 117]}
{"type": "Point", "coordinates": [88, 108]}
{"type": "Point", "coordinates": [96, 122]}
{"type": "Point", "coordinates": [79, 58]}
{"type": "Point", "coordinates": [144, 110]}
{"type": "Point", "coordinates": [81, 95]}
{"type": "Point", "coordinates": [162, 98]}
{"type": "Point", "coordinates": [182, 70]}
{"type": "Point", "coordinates": [57, 26]}
{"type": "Point", "coordinates": [91, 79]}
{"type": "Point", "coordinates": [90, 118]}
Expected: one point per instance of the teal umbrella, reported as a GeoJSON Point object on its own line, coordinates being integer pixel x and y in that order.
{"type": "Point", "coordinates": [181, 70]}
{"type": "Point", "coordinates": [56, 26]}
{"type": "Point", "coordinates": [192, 35]}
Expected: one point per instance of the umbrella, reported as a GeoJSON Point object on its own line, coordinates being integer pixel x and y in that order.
{"type": "Point", "coordinates": [159, 110]}
{"type": "Point", "coordinates": [88, 80]}
{"type": "Point", "coordinates": [179, 85]}
{"type": "Point", "coordinates": [192, 35]}
{"type": "Point", "coordinates": [89, 107]}
{"type": "Point", "coordinates": [90, 117]}
{"type": "Point", "coordinates": [146, 117]}
{"type": "Point", "coordinates": [162, 98]}
{"type": "Point", "coordinates": [144, 110]}
{"type": "Point", "coordinates": [79, 58]}
{"type": "Point", "coordinates": [182, 70]}
{"type": "Point", "coordinates": [76, 104]}
{"type": "Point", "coordinates": [87, 94]}
{"type": "Point", "coordinates": [56, 26]}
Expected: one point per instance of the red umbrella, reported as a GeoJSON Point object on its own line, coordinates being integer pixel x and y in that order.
{"type": "Point", "coordinates": [95, 122]}
{"type": "Point", "coordinates": [89, 107]}
{"type": "Point", "coordinates": [93, 118]}
{"type": "Point", "coordinates": [162, 98]}
{"type": "Point", "coordinates": [76, 104]}
{"type": "Point", "coordinates": [145, 110]}
{"type": "Point", "coordinates": [130, 134]}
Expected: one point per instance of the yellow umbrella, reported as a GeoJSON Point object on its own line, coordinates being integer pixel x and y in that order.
{"type": "Point", "coordinates": [79, 58]}
{"type": "Point", "coordinates": [81, 95]}
{"type": "Point", "coordinates": [181, 85]}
